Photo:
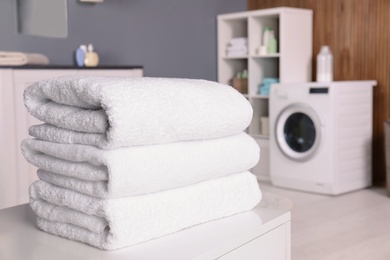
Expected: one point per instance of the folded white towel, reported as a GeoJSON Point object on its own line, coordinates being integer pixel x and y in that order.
{"type": "Point", "coordinates": [238, 41]}
{"type": "Point", "coordinates": [139, 169]}
{"type": "Point", "coordinates": [22, 58]}
{"type": "Point", "coordinates": [116, 223]}
{"type": "Point", "coordinates": [139, 111]}
{"type": "Point", "coordinates": [236, 53]}
{"type": "Point", "coordinates": [237, 49]}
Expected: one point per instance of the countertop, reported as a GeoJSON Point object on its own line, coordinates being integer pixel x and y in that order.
{"type": "Point", "coordinates": [70, 67]}
{"type": "Point", "coordinates": [21, 239]}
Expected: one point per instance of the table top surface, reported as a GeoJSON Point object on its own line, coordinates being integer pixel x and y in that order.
{"type": "Point", "coordinates": [72, 67]}
{"type": "Point", "coordinates": [21, 239]}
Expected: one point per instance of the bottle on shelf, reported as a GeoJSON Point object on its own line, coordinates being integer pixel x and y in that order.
{"type": "Point", "coordinates": [244, 74]}
{"type": "Point", "coordinates": [266, 35]}
{"type": "Point", "coordinates": [91, 57]}
{"type": "Point", "coordinates": [80, 55]}
{"type": "Point", "coordinates": [262, 50]}
{"type": "Point", "coordinates": [324, 65]}
{"type": "Point", "coordinates": [269, 43]}
{"type": "Point", "coordinates": [272, 49]}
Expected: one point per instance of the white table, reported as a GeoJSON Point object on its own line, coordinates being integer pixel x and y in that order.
{"type": "Point", "coordinates": [263, 233]}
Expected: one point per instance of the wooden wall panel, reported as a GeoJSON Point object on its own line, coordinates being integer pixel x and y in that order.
{"type": "Point", "coordinates": [358, 33]}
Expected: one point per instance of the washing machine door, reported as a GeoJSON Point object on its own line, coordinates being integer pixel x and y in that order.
{"type": "Point", "coordinates": [298, 132]}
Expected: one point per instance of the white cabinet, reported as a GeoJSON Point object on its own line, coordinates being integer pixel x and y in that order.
{"type": "Point", "coordinates": [8, 178]}
{"type": "Point", "coordinates": [16, 174]}
{"type": "Point", "coordinates": [291, 63]}
{"type": "Point", "coordinates": [273, 245]}
{"type": "Point", "coordinates": [262, 233]}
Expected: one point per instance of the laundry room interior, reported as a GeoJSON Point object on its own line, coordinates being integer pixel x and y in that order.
{"type": "Point", "coordinates": [182, 129]}
{"type": "Point", "coordinates": [323, 143]}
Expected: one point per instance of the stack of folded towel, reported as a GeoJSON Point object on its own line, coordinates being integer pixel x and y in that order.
{"type": "Point", "coordinates": [265, 86]}
{"type": "Point", "coordinates": [22, 58]}
{"type": "Point", "coordinates": [237, 47]}
{"type": "Point", "coordinates": [123, 161]}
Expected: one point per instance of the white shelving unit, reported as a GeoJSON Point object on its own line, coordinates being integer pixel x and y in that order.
{"type": "Point", "coordinates": [292, 63]}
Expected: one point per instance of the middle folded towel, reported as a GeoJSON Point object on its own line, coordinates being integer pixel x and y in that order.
{"type": "Point", "coordinates": [140, 169]}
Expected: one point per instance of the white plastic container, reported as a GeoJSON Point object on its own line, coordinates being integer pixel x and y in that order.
{"type": "Point", "coordinates": [266, 37]}
{"type": "Point", "coordinates": [325, 65]}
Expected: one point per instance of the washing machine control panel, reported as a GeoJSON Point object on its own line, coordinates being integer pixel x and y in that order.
{"type": "Point", "coordinates": [319, 90]}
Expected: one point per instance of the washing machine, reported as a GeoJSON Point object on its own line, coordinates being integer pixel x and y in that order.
{"type": "Point", "coordinates": [321, 136]}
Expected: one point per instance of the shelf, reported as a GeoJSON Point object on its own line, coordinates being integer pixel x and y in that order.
{"type": "Point", "coordinates": [258, 136]}
{"type": "Point", "coordinates": [259, 96]}
{"type": "Point", "coordinates": [234, 17]}
{"type": "Point", "coordinates": [275, 55]}
{"type": "Point", "coordinates": [291, 63]}
{"type": "Point", "coordinates": [256, 96]}
{"type": "Point", "coordinates": [231, 67]}
{"type": "Point", "coordinates": [235, 57]}
{"type": "Point", "coordinates": [258, 69]}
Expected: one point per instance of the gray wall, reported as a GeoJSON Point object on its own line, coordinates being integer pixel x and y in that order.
{"type": "Point", "coordinates": [170, 38]}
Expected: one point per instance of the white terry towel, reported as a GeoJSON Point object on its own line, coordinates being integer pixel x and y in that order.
{"type": "Point", "coordinates": [243, 49]}
{"type": "Point", "coordinates": [239, 41]}
{"type": "Point", "coordinates": [140, 169]}
{"type": "Point", "coordinates": [116, 223]}
{"type": "Point", "coordinates": [236, 53]}
{"type": "Point", "coordinates": [22, 58]}
{"type": "Point", "coordinates": [138, 111]}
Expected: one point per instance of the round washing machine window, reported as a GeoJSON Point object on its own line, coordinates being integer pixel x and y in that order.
{"type": "Point", "coordinates": [298, 132]}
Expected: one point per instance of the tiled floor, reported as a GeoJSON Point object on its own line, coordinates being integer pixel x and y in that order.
{"type": "Point", "coordinates": [351, 226]}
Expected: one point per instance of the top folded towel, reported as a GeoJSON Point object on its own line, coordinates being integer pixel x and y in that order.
{"type": "Point", "coordinates": [238, 41]}
{"type": "Point", "coordinates": [21, 58]}
{"type": "Point", "coordinates": [117, 112]}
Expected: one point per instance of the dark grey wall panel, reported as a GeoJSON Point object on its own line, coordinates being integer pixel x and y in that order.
{"type": "Point", "coordinates": [171, 38]}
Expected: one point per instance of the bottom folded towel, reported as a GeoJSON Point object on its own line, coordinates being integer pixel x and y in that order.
{"type": "Point", "coordinates": [115, 223]}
